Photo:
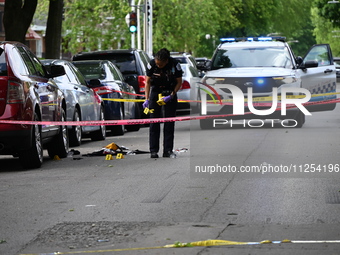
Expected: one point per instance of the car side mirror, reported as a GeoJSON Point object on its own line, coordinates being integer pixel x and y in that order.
{"type": "Point", "coordinates": [56, 70]}
{"type": "Point", "coordinates": [207, 65]}
{"type": "Point", "coordinates": [309, 64]}
{"type": "Point", "coordinates": [299, 60]}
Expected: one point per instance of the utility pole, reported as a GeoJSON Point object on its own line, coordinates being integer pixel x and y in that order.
{"type": "Point", "coordinates": [133, 9]}
{"type": "Point", "coordinates": [150, 48]}
{"type": "Point", "coordinates": [139, 36]}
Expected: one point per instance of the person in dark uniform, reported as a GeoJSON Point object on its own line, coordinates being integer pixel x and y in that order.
{"type": "Point", "coordinates": [164, 76]}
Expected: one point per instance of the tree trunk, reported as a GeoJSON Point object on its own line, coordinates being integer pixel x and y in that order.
{"type": "Point", "coordinates": [18, 15]}
{"type": "Point", "coordinates": [53, 29]}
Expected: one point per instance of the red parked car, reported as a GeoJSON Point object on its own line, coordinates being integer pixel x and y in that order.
{"type": "Point", "coordinates": [28, 93]}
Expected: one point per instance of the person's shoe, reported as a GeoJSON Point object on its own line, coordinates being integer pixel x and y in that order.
{"type": "Point", "coordinates": [166, 154]}
{"type": "Point", "coordinates": [154, 155]}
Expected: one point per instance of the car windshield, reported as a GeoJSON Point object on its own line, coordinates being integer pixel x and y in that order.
{"type": "Point", "coordinates": [91, 70]}
{"type": "Point", "coordinates": [181, 60]}
{"type": "Point", "coordinates": [252, 57]}
{"type": "Point", "coordinates": [125, 62]}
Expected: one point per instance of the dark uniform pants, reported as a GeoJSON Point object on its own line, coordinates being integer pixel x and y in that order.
{"type": "Point", "coordinates": [168, 110]}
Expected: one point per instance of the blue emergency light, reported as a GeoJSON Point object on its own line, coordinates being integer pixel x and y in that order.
{"type": "Point", "coordinates": [251, 39]}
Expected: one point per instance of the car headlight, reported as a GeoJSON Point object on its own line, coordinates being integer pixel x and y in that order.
{"type": "Point", "coordinates": [212, 80]}
{"type": "Point", "coordinates": [284, 80]}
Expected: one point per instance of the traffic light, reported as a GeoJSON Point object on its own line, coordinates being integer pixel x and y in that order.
{"type": "Point", "coordinates": [147, 11]}
{"type": "Point", "coordinates": [133, 22]}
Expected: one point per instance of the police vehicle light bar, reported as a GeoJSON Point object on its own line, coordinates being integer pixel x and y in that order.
{"type": "Point", "coordinates": [250, 39]}
{"type": "Point", "coordinates": [227, 39]}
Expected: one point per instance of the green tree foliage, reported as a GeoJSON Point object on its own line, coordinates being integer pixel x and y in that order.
{"type": "Point", "coordinates": [187, 25]}
{"type": "Point", "coordinates": [183, 25]}
{"type": "Point", "coordinates": [328, 11]}
{"type": "Point", "coordinates": [326, 21]}
{"type": "Point", "coordinates": [325, 32]}
{"type": "Point", "coordinates": [94, 24]}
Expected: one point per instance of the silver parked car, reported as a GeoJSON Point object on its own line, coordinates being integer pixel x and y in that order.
{"type": "Point", "coordinates": [82, 102]}
{"type": "Point", "coordinates": [189, 78]}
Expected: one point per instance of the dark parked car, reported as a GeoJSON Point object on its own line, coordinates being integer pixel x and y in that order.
{"type": "Point", "coordinates": [112, 86]}
{"type": "Point", "coordinates": [82, 102]}
{"type": "Point", "coordinates": [132, 63]}
{"type": "Point", "coordinates": [27, 93]}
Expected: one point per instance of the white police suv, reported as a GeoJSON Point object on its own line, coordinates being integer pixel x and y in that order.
{"type": "Point", "coordinates": [261, 78]}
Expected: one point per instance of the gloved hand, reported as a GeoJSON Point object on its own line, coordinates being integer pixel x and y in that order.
{"type": "Point", "coordinates": [167, 98]}
{"type": "Point", "coordinates": [146, 104]}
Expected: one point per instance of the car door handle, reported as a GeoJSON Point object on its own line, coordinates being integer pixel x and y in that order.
{"type": "Point", "coordinates": [75, 87]}
{"type": "Point", "coordinates": [328, 71]}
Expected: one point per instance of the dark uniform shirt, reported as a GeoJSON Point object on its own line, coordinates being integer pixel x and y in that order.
{"type": "Point", "coordinates": [164, 79]}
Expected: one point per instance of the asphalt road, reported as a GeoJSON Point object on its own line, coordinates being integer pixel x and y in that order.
{"type": "Point", "coordinates": [84, 203]}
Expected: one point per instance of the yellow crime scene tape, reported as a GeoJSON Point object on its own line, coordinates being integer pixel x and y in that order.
{"type": "Point", "coordinates": [206, 243]}
{"type": "Point", "coordinates": [255, 99]}
{"type": "Point", "coordinates": [278, 97]}
{"type": "Point", "coordinates": [139, 100]}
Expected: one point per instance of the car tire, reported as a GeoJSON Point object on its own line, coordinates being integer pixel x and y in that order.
{"type": "Point", "coordinates": [195, 107]}
{"type": "Point", "coordinates": [119, 129]}
{"type": "Point", "coordinates": [33, 157]}
{"type": "Point", "coordinates": [206, 123]}
{"type": "Point", "coordinates": [137, 116]}
{"type": "Point", "coordinates": [100, 135]}
{"type": "Point", "coordinates": [59, 146]}
{"type": "Point", "coordinates": [76, 131]}
{"type": "Point", "coordinates": [300, 120]}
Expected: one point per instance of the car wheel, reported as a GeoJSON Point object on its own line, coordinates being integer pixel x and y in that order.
{"type": "Point", "coordinates": [119, 129]}
{"type": "Point", "coordinates": [137, 116]}
{"type": "Point", "coordinates": [33, 157]}
{"type": "Point", "coordinates": [206, 123]}
{"type": "Point", "coordinates": [195, 107]}
{"type": "Point", "coordinates": [300, 120]}
{"type": "Point", "coordinates": [59, 145]}
{"type": "Point", "coordinates": [76, 131]}
{"type": "Point", "coordinates": [100, 135]}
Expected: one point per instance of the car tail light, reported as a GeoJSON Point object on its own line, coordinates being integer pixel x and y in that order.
{"type": "Point", "coordinates": [103, 90]}
{"type": "Point", "coordinates": [141, 83]}
{"type": "Point", "coordinates": [15, 93]}
{"type": "Point", "coordinates": [185, 85]}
